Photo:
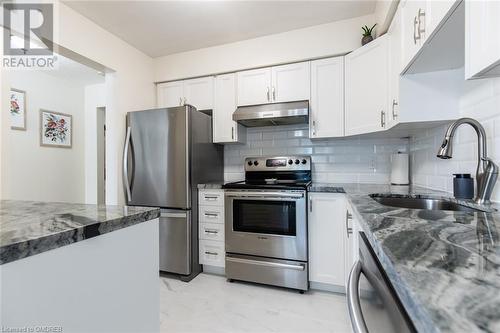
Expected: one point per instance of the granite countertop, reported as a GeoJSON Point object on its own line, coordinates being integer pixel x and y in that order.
{"type": "Point", "coordinates": [444, 265]}
{"type": "Point", "coordinates": [29, 227]}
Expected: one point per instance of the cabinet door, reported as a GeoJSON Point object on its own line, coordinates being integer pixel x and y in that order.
{"type": "Point", "coordinates": [200, 92]}
{"type": "Point", "coordinates": [254, 86]}
{"type": "Point", "coordinates": [170, 94]}
{"type": "Point", "coordinates": [367, 87]}
{"type": "Point", "coordinates": [482, 39]}
{"type": "Point", "coordinates": [326, 117]}
{"type": "Point", "coordinates": [291, 82]}
{"type": "Point", "coordinates": [326, 238]}
{"type": "Point", "coordinates": [225, 104]}
{"type": "Point", "coordinates": [351, 242]}
{"type": "Point", "coordinates": [412, 28]}
{"type": "Point", "coordinates": [394, 33]}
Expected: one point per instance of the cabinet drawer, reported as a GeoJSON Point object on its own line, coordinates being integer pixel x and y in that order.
{"type": "Point", "coordinates": [212, 198]}
{"type": "Point", "coordinates": [211, 214]}
{"type": "Point", "coordinates": [211, 231]}
{"type": "Point", "coordinates": [212, 253]}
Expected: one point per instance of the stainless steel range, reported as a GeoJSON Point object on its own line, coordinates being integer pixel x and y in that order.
{"type": "Point", "coordinates": [266, 222]}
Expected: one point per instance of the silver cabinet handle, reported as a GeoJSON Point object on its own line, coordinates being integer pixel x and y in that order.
{"type": "Point", "coordinates": [125, 164]}
{"type": "Point", "coordinates": [310, 205]}
{"type": "Point", "coordinates": [348, 216]}
{"type": "Point", "coordinates": [394, 104]}
{"type": "Point", "coordinates": [211, 198]}
{"type": "Point", "coordinates": [274, 94]}
{"type": "Point", "coordinates": [265, 263]}
{"type": "Point", "coordinates": [180, 101]}
{"type": "Point", "coordinates": [314, 128]}
{"type": "Point", "coordinates": [232, 133]}
{"type": "Point", "coordinates": [211, 232]}
{"type": "Point", "coordinates": [415, 31]}
{"type": "Point", "coordinates": [268, 96]}
{"type": "Point", "coordinates": [211, 253]}
{"type": "Point", "coordinates": [382, 119]}
{"type": "Point", "coordinates": [421, 19]}
{"type": "Point", "coordinates": [212, 215]}
{"type": "Point", "coordinates": [353, 302]}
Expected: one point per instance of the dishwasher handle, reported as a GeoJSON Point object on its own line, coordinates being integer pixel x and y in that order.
{"type": "Point", "coordinates": [353, 301]}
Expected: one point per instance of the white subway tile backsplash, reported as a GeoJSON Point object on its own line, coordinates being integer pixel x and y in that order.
{"type": "Point", "coordinates": [481, 101]}
{"type": "Point", "coordinates": [334, 160]}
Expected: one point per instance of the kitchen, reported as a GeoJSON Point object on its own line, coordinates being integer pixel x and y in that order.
{"type": "Point", "coordinates": [251, 163]}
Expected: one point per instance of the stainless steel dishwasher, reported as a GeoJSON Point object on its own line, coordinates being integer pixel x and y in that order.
{"type": "Point", "coordinates": [372, 302]}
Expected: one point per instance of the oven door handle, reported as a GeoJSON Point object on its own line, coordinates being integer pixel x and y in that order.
{"type": "Point", "coordinates": [300, 267]}
{"type": "Point", "coordinates": [264, 195]}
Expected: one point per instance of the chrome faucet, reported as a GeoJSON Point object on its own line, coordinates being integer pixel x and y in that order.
{"type": "Point", "coordinates": [487, 170]}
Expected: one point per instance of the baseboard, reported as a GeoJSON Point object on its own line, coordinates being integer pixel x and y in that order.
{"type": "Point", "coordinates": [215, 270]}
{"type": "Point", "coordinates": [327, 287]}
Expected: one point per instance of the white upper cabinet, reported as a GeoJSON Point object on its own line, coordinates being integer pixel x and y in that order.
{"type": "Point", "coordinates": [196, 92]}
{"type": "Point", "coordinates": [285, 83]}
{"type": "Point", "coordinates": [326, 226]}
{"type": "Point", "coordinates": [200, 92]}
{"type": "Point", "coordinates": [367, 87]}
{"type": "Point", "coordinates": [224, 128]}
{"type": "Point", "coordinates": [254, 86]}
{"type": "Point", "coordinates": [412, 28]}
{"type": "Point", "coordinates": [437, 11]}
{"type": "Point", "coordinates": [394, 33]}
{"type": "Point", "coordinates": [170, 94]}
{"type": "Point", "coordinates": [326, 113]}
{"type": "Point", "coordinates": [482, 39]}
{"type": "Point", "coordinates": [290, 82]}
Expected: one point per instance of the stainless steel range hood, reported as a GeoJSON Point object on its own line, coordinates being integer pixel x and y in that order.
{"type": "Point", "coordinates": [273, 114]}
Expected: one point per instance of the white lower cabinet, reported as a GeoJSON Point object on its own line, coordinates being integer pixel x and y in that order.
{"type": "Point", "coordinates": [329, 249]}
{"type": "Point", "coordinates": [211, 228]}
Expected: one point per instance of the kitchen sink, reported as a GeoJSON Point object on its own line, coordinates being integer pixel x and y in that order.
{"type": "Point", "coordinates": [421, 203]}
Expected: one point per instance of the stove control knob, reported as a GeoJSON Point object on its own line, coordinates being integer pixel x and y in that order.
{"type": "Point", "coordinates": [297, 161]}
{"type": "Point", "coordinates": [304, 161]}
{"type": "Point", "coordinates": [255, 163]}
{"type": "Point", "coordinates": [250, 163]}
{"type": "Point", "coordinates": [290, 162]}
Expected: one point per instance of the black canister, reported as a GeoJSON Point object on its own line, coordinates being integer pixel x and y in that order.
{"type": "Point", "coordinates": [463, 186]}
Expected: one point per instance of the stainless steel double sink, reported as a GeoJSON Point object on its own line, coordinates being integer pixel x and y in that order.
{"type": "Point", "coordinates": [423, 203]}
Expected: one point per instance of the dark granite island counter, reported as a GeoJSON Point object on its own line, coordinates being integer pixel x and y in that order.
{"type": "Point", "coordinates": [444, 265]}
{"type": "Point", "coordinates": [62, 263]}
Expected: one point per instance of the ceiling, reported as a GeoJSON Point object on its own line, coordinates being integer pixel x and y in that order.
{"type": "Point", "coordinates": [70, 70]}
{"type": "Point", "coordinates": [160, 28]}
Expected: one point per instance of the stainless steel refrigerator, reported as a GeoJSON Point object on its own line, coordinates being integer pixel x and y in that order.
{"type": "Point", "coordinates": [167, 153]}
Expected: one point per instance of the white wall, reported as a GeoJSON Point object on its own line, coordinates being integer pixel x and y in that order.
{"type": "Point", "coordinates": [129, 88]}
{"type": "Point", "coordinates": [318, 41]}
{"type": "Point", "coordinates": [480, 100]}
{"type": "Point", "coordinates": [31, 172]}
{"type": "Point", "coordinates": [94, 97]}
{"type": "Point", "coordinates": [334, 160]}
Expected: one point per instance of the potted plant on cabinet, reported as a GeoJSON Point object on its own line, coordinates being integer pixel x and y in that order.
{"type": "Point", "coordinates": [367, 34]}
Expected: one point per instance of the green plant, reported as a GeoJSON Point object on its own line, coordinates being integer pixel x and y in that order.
{"type": "Point", "coordinates": [368, 31]}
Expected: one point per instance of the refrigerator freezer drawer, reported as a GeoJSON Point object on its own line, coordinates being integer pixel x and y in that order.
{"type": "Point", "coordinates": [175, 241]}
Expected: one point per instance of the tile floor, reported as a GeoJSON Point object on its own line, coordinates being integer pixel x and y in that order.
{"type": "Point", "coordinates": [211, 304]}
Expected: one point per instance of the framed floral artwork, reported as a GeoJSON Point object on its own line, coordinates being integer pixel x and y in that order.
{"type": "Point", "coordinates": [17, 109]}
{"type": "Point", "coordinates": [56, 129]}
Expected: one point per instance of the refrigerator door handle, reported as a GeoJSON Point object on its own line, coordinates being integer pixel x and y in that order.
{"type": "Point", "coordinates": [125, 165]}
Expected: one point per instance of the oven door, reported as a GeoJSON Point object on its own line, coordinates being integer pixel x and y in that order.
{"type": "Point", "coordinates": [266, 223]}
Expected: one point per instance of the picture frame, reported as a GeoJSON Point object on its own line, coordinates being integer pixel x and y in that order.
{"type": "Point", "coordinates": [17, 109]}
{"type": "Point", "coordinates": [56, 129]}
